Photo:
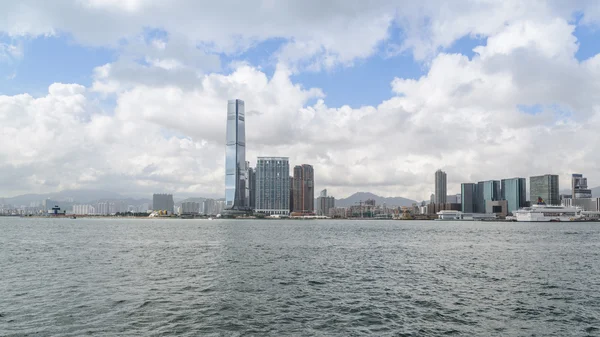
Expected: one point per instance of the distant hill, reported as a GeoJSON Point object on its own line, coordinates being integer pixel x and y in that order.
{"type": "Point", "coordinates": [357, 197]}
{"type": "Point", "coordinates": [81, 196]}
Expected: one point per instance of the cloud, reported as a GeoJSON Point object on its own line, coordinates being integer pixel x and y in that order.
{"type": "Point", "coordinates": [316, 34]}
{"type": "Point", "coordinates": [166, 128]}
{"type": "Point", "coordinates": [334, 29]}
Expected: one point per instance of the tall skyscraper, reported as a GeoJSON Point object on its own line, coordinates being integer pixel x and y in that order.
{"type": "Point", "coordinates": [273, 185]}
{"type": "Point", "coordinates": [468, 192]}
{"type": "Point", "coordinates": [236, 167]}
{"type": "Point", "coordinates": [579, 187]}
{"type": "Point", "coordinates": [160, 202]}
{"type": "Point", "coordinates": [440, 187]}
{"type": "Point", "coordinates": [514, 192]}
{"type": "Point", "coordinates": [304, 188]}
{"type": "Point", "coordinates": [544, 189]}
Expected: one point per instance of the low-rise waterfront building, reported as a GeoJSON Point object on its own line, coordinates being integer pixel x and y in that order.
{"type": "Point", "coordinates": [460, 216]}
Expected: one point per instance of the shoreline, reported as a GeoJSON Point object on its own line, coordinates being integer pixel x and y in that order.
{"type": "Point", "coordinates": [71, 217]}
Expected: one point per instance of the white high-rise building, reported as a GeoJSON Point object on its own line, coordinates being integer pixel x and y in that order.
{"type": "Point", "coordinates": [190, 207]}
{"type": "Point", "coordinates": [219, 206]}
{"type": "Point", "coordinates": [208, 207]}
{"type": "Point", "coordinates": [102, 208]}
{"type": "Point", "coordinates": [84, 209]}
{"type": "Point", "coordinates": [273, 185]}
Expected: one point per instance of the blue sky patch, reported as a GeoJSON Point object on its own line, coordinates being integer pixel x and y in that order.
{"type": "Point", "coordinates": [533, 109]}
{"type": "Point", "coordinates": [47, 60]}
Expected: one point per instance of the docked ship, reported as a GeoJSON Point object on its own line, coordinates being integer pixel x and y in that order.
{"type": "Point", "coordinates": [547, 213]}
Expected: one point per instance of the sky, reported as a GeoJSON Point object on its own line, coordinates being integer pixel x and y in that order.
{"type": "Point", "coordinates": [131, 95]}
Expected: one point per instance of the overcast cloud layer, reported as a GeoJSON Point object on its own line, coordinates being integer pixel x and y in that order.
{"type": "Point", "coordinates": [166, 130]}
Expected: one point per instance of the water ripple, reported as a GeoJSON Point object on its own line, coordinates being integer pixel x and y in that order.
{"type": "Point", "coordinates": [286, 278]}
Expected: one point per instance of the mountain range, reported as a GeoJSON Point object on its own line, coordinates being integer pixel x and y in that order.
{"type": "Point", "coordinates": [356, 198]}
{"type": "Point", "coordinates": [80, 196]}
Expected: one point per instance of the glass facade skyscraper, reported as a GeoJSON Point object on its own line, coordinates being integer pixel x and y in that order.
{"type": "Point", "coordinates": [491, 192]}
{"type": "Point", "coordinates": [468, 195]}
{"type": "Point", "coordinates": [273, 185]}
{"type": "Point", "coordinates": [236, 167]}
{"type": "Point", "coordinates": [514, 191]}
{"type": "Point", "coordinates": [544, 189]}
{"type": "Point", "coordinates": [486, 191]}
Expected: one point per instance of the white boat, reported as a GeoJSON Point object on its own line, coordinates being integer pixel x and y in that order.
{"type": "Point", "coordinates": [548, 213]}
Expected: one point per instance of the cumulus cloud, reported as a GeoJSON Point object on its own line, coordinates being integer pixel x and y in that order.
{"type": "Point", "coordinates": [166, 129]}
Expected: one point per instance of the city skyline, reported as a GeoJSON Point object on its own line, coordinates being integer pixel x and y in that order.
{"type": "Point", "coordinates": [137, 108]}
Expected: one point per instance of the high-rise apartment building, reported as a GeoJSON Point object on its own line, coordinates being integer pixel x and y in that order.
{"type": "Point", "coordinates": [440, 187]}
{"type": "Point", "coordinates": [219, 206]}
{"type": "Point", "coordinates": [208, 207]}
{"type": "Point", "coordinates": [83, 209]}
{"type": "Point", "coordinates": [324, 203]}
{"type": "Point", "coordinates": [162, 202]}
{"type": "Point", "coordinates": [544, 189]}
{"type": "Point", "coordinates": [236, 167]}
{"type": "Point", "coordinates": [579, 187]}
{"type": "Point", "coordinates": [273, 185]}
{"type": "Point", "coordinates": [514, 191]}
{"type": "Point", "coordinates": [251, 188]}
{"type": "Point", "coordinates": [190, 207]}
{"type": "Point", "coordinates": [102, 208]}
{"type": "Point", "coordinates": [304, 189]}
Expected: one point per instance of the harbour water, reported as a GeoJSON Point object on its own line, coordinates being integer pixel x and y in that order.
{"type": "Point", "coordinates": [111, 277]}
